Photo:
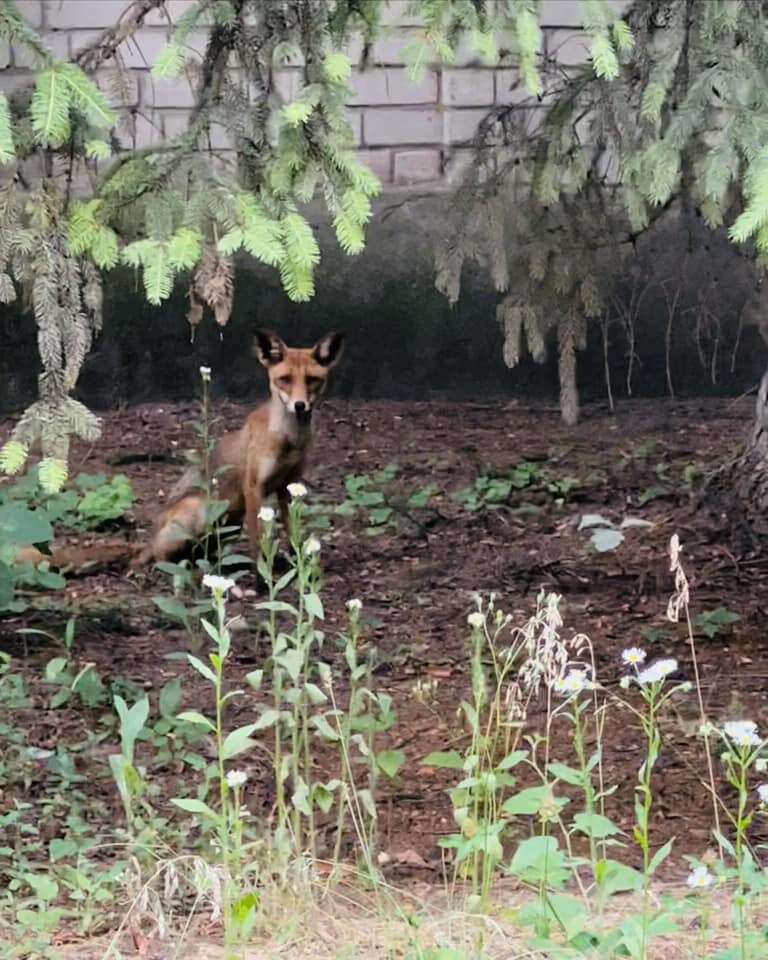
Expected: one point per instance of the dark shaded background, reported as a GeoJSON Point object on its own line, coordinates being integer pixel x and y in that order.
{"type": "Point", "coordinates": [404, 340]}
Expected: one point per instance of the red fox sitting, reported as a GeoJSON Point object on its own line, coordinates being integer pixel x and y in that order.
{"type": "Point", "coordinates": [263, 457]}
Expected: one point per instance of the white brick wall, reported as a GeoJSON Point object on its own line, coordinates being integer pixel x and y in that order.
{"type": "Point", "coordinates": [409, 132]}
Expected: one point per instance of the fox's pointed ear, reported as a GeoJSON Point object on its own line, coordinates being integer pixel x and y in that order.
{"type": "Point", "coordinates": [268, 347]}
{"type": "Point", "coordinates": [327, 352]}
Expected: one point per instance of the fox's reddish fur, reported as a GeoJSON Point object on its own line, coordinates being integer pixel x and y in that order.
{"type": "Point", "coordinates": [263, 457]}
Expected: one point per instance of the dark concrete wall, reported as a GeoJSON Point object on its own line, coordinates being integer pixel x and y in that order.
{"type": "Point", "coordinates": [405, 341]}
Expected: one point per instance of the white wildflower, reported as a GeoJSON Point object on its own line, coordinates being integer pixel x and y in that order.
{"type": "Point", "coordinates": [700, 879]}
{"type": "Point", "coordinates": [354, 606]}
{"type": "Point", "coordinates": [761, 765]}
{"type": "Point", "coordinates": [297, 490]}
{"type": "Point", "coordinates": [476, 620]}
{"type": "Point", "coordinates": [657, 671]}
{"type": "Point", "coordinates": [217, 584]}
{"type": "Point", "coordinates": [236, 778]}
{"type": "Point", "coordinates": [633, 656]}
{"type": "Point", "coordinates": [266, 514]}
{"type": "Point", "coordinates": [742, 733]}
{"type": "Point", "coordinates": [312, 546]}
{"type": "Point", "coordinates": [625, 682]}
{"type": "Point", "coordinates": [573, 683]}
{"type": "Point", "coordinates": [205, 373]}
{"type": "Point", "coordinates": [762, 792]}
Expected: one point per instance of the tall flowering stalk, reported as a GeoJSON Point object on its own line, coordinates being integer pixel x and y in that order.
{"type": "Point", "coordinates": [655, 692]}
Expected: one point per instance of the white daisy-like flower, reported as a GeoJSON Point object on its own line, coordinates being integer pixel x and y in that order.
{"type": "Point", "coordinates": [700, 879]}
{"type": "Point", "coordinates": [354, 605]}
{"type": "Point", "coordinates": [633, 656]}
{"type": "Point", "coordinates": [762, 792]}
{"type": "Point", "coordinates": [236, 778]}
{"type": "Point", "coordinates": [297, 490]}
{"type": "Point", "coordinates": [476, 620]}
{"type": "Point", "coordinates": [574, 682]}
{"type": "Point", "coordinates": [742, 733]}
{"type": "Point", "coordinates": [312, 546]}
{"type": "Point", "coordinates": [217, 584]}
{"type": "Point", "coordinates": [266, 514]}
{"type": "Point", "coordinates": [657, 671]}
{"type": "Point", "coordinates": [205, 373]}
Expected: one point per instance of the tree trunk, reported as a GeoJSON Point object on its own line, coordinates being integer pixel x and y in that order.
{"type": "Point", "coordinates": [751, 473]}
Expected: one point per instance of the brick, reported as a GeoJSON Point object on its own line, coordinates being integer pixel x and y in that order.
{"type": "Point", "coordinates": [390, 48]}
{"type": "Point", "coordinates": [12, 80]}
{"type": "Point", "coordinates": [167, 92]}
{"type": "Point", "coordinates": [395, 13]}
{"type": "Point", "coordinates": [32, 11]}
{"type": "Point", "coordinates": [5, 54]}
{"type": "Point", "coordinates": [63, 14]}
{"type": "Point", "coordinates": [567, 48]}
{"type": "Point", "coordinates": [174, 10]}
{"type": "Point", "coordinates": [57, 43]}
{"type": "Point", "coordinates": [456, 164]}
{"type": "Point", "coordinates": [140, 130]}
{"type": "Point", "coordinates": [392, 86]}
{"type": "Point", "coordinates": [142, 49]}
{"type": "Point", "coordinates": [173, 122]}
{"type": "Point", "coordinates": [380, 161]}
{"type": "Point", "coordinates": [510, 89]}
{"type": "Point", "coordinates": [570, 13]}
{"type": "Point", "coordinates": [287, 83]}
{"type": "Point", "coordinates": [462, 124]}
{"type": "Point", "coordinates": [387, 126]}
{"type": "Point", "coordinates": [417, 166]}
{"type": "Point", "coordinates": [468, 88]}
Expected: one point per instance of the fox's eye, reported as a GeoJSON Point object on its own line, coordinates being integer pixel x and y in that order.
{"type": "Point", "coordinates": [314, 382]}
{"type": "Point", "coordinates": [284, 382]}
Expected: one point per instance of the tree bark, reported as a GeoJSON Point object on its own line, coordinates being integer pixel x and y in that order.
{"type": "Point", "coordinates": [751, 474]}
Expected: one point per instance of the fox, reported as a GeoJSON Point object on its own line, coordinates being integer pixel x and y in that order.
{"type": "Point", "coordinates": [263, 457]}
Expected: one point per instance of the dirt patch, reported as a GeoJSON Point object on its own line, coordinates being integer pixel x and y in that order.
{"type": "Point", "coordinates": [416, 581]}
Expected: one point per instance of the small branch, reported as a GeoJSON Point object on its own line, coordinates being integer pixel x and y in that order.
{"type": "Point", "coordinates": [90, 58]}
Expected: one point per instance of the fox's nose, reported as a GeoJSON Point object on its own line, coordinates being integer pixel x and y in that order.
{"type": "Point", "coordinates": [300, 406]}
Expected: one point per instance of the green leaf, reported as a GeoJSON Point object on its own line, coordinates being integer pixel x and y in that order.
{"type": "Point", "coordinates": [49, 109]}
{"type": "Point", "coordinates": [529, 801]}
{"type": "Point", "coordinates": [190, 805]}
{"type": "Point", "coordinates": [23, 527]}
{"type": "Point", "coordinates": [238, 741]}
{"type": "Point", "coordinates": [622, 36]}
{"type": "Point", "coordinates": [170, 61]}
{"type": "Point", "coordinates": [98, 149]}
{"type": "Point", "coordinates": [170, 698]}
{"type": "Point", "coordinates": [390, 762]}
{"type": "Point", "coordinates": [604, 57]}
{"type": "Point", "coordinates": [337, 67]}
{"type": "Point", "coordinates": [540, 860]}
{"type": "Point", "coordinates": [52, 473]}
{"type": "Point", "coordinates": [450, 760]}
{"type": "Point", "coordinates": [314, 606]}
{"type": "Point", "coordinates": [194, 716]}
{"type": "Point", "coordinates": [268, 719]}
{"type": "Point", "coordinates": [13, 456]}
{"type": "Point", "coordinates": [660, 856]}
{"type": "Point", "coordinates": [7, 148]}
{"type": "Point", "coordinates": [45, 888]}
{"type": "Point", "coordinates": [87, 97]}
{"type": "Point", "coordinates": [202, 668]}
{"type": "Point", "coordinates": [566, 774]}
{"type": "Point", "coordinates": [595, 825]}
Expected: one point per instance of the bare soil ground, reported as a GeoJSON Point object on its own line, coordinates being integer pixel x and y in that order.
{"type": "Point", "coordinates": [417, 580]}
